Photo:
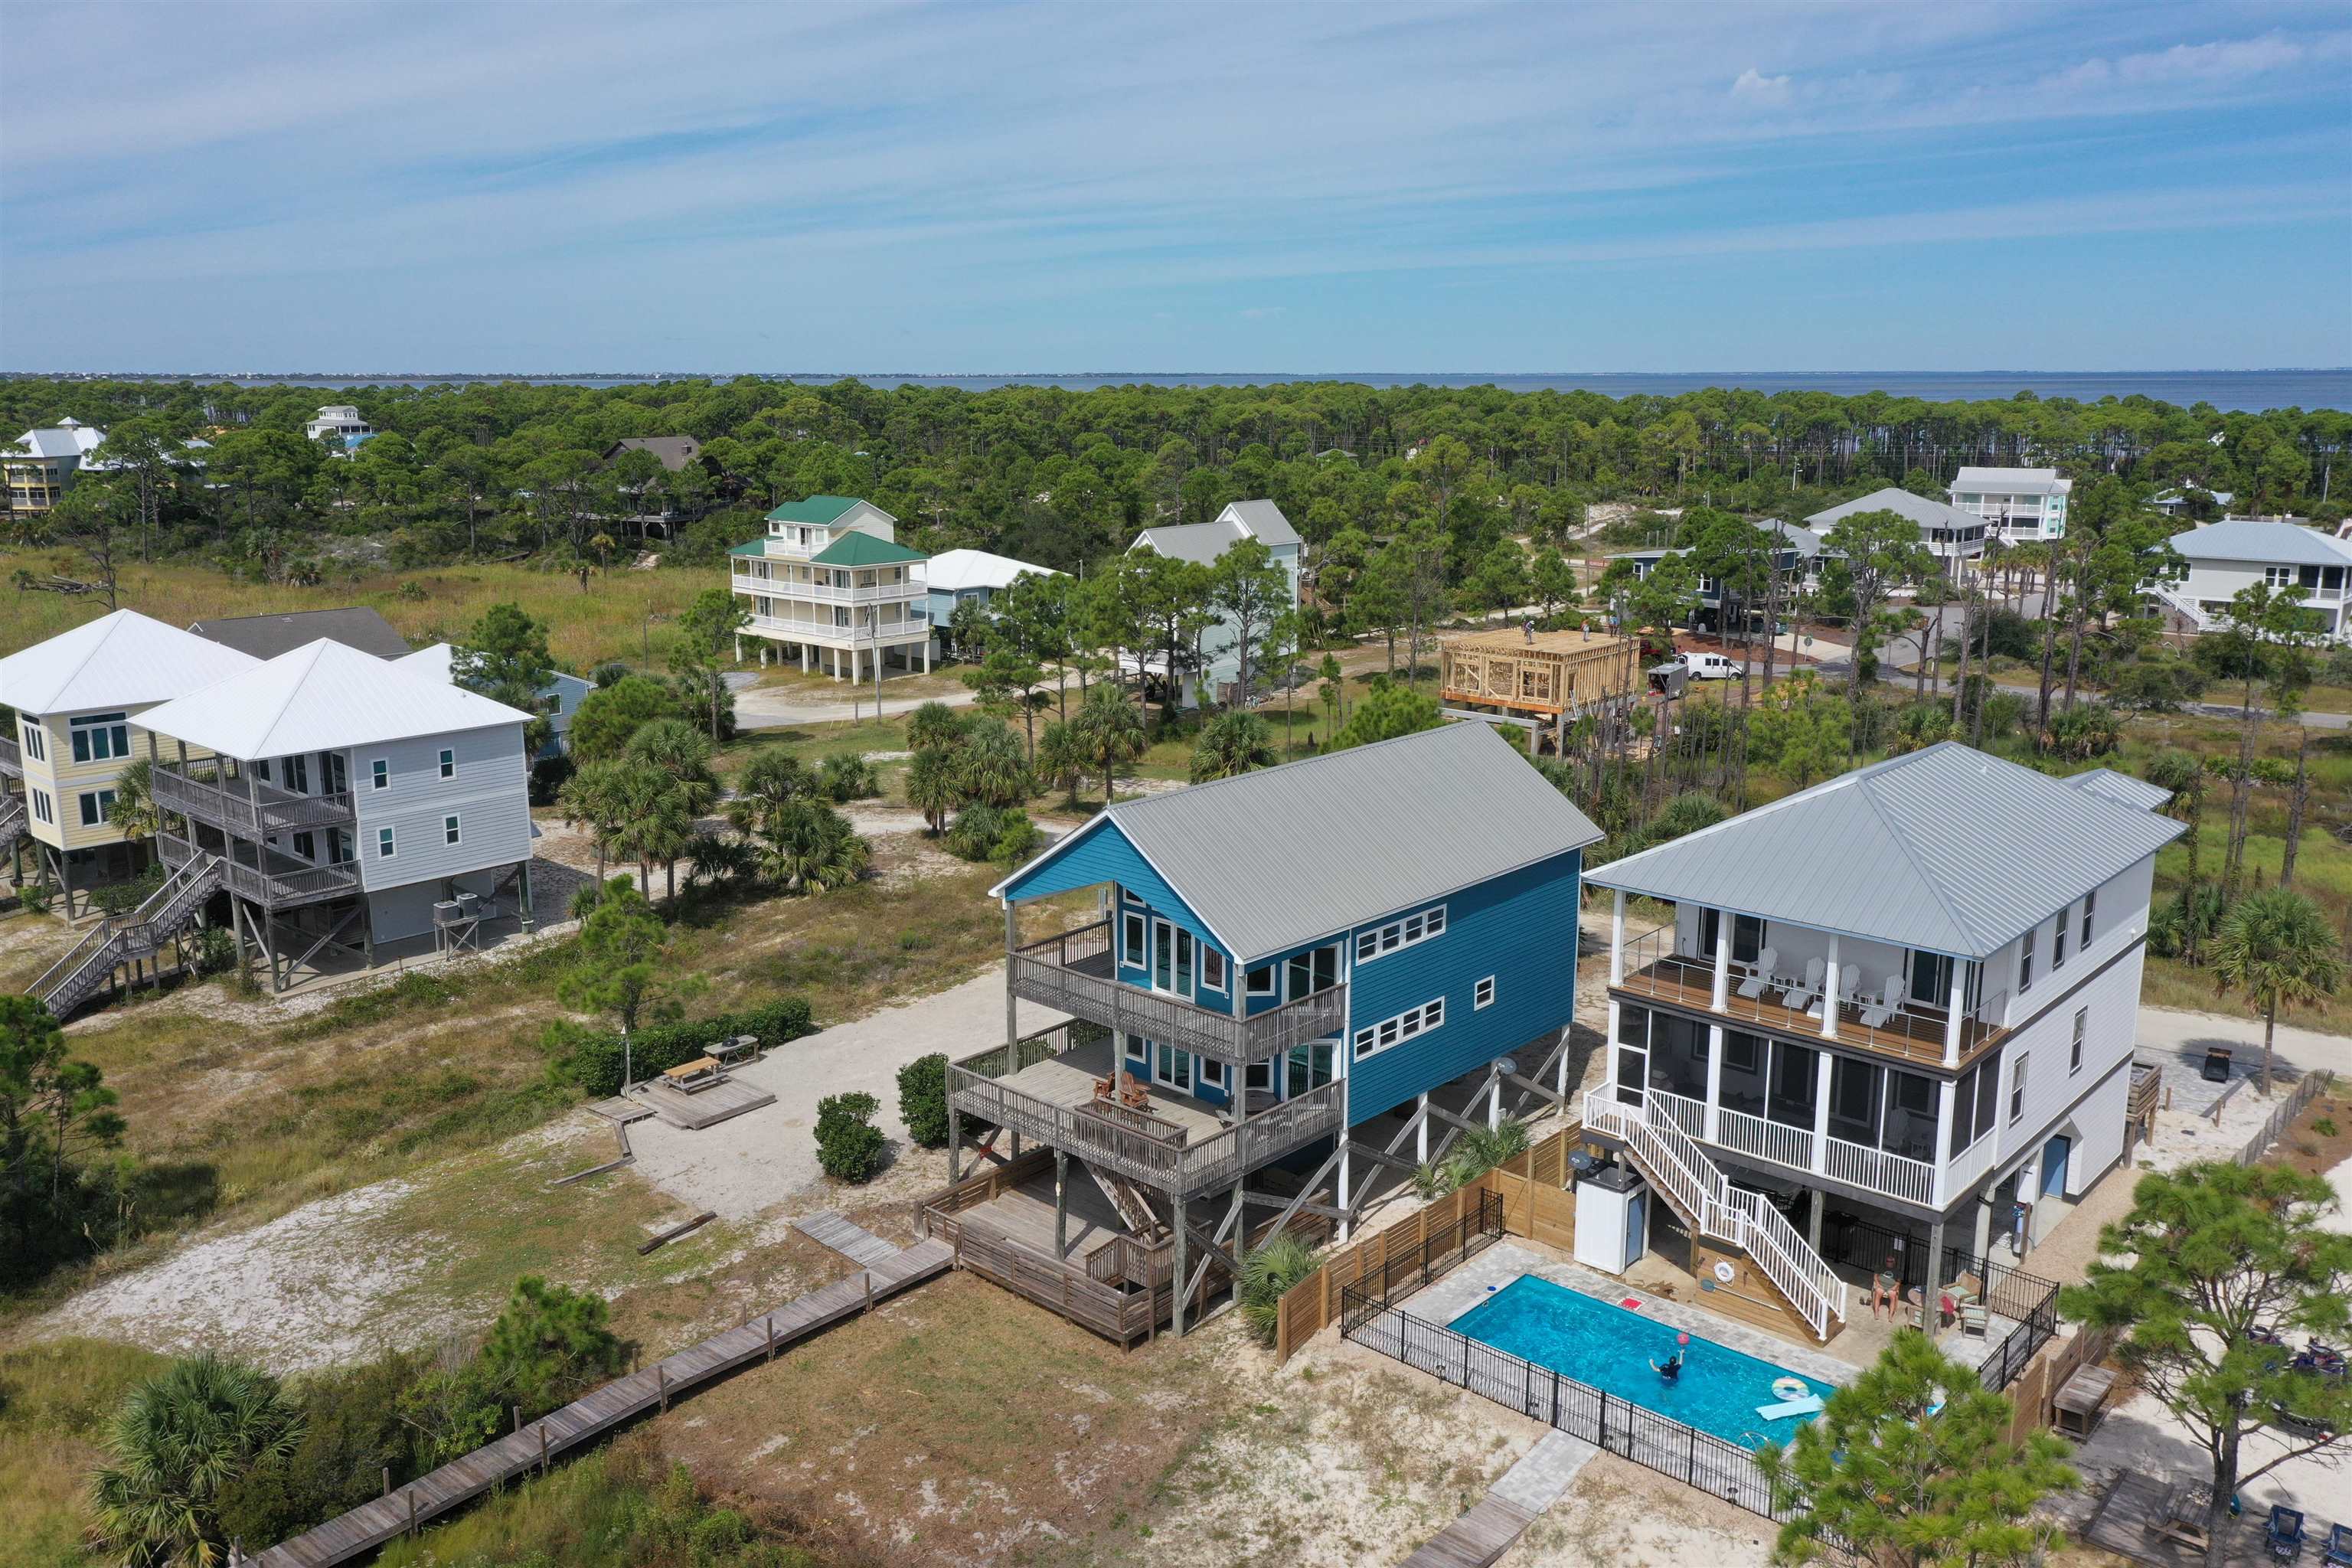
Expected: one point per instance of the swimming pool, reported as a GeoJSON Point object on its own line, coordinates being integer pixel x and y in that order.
{"type": "Point", "coordinates": [1611, 1349]}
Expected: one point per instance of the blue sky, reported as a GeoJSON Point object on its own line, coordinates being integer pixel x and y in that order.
{"type": "Point", "coordinates": [1308, 188]}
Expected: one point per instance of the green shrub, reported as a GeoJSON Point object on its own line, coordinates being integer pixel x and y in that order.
{"type": "Point", "coordinates": [1479, 1150]}
{"type": "Point", "coordinates": [923, 1100]}
{"type": "Point", "coordinates": [2324, 1127]}
{"type": "Point", "coordinates": [846, 778]}
{"type": "Point", "coordinates": [351, 1433]}
{"type": "Point", "coordinates": [1267, 1274]}
{"type": "Point", "coordinates": [121, 898]}
{"type": "Point", "coordinates": [1003, 834]}
{"type": "Point", "coordinates": [592, 1058]}
{"type": "Point", "coordinates": [849, 1146]}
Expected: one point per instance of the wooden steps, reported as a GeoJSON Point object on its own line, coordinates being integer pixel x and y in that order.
{"type": "Point", "coordinates": [589, 1417]}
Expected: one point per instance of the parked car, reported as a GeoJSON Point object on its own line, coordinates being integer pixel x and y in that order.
{"type": "Point", "coordinates": [1713, 667]}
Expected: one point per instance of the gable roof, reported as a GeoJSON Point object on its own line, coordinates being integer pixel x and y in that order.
{"type": "Point", "coordinates": [1265, 522]}
{"type": "Point", "coordinates": [859, 548]}
{"type": "Point", "coordinates": [118, 660]}
{"type": "Point", "coordinates": [814, 510]}
{"type": "Point", "coordinates": [2015, 481]}
{"type": "Point", "coordinates": [675, 451]}
{"type": "Point", "coordinates": [267, 636]}
{"type": "Point", "coordinates": [1286, 856]}
{"type": "Point", "coordinates": [2123, 788]}
{"type": "Point", "coordinates": [2287, 542]}
{"type": "Point", "coordinates": [1946, 849]}
{"type": "Point", "coordinates": [322, 697]}
{"type": "Point", "coordinates": [1918, 509]}
{"type": "Point", "coordinates": [1199, 541]}
{"type": "Point", "coordinates": [950, 570]}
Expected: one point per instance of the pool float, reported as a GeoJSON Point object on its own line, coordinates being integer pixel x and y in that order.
{"type": "Point", "coordinates": [1792, 1387]}
{"type": "Point", "coordinates": [1811, 1405]}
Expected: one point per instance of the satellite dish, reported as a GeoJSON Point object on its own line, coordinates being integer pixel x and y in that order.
{"type": "Point", "coordinates": [1507, 1064]}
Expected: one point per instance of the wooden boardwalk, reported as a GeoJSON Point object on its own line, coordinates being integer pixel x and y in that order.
{"type": "Point", "coordinates": [590, 1417]}
{"type": "Point", "coordinates": [1476, 1538]}
{"type": "Point", "coordinates": [854, 1242]}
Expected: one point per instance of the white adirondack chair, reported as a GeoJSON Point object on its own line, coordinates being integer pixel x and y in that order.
{"type": "Point", "coordinates": [1761, 975]}
{"type": "Point", "coordinates": [1878, 1012]}
{"type": "Point", "coordinates": [1799, 998]}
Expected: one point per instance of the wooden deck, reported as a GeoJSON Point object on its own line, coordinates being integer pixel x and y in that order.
{"type": "Point", "coordinates": [590, 1417]}
{"type": "Point", "coordinates": [854, 1242]}
{"type": "Point", "coordinates": [1476, 1538]}
{"type": "Point", "coordinates": [1068, 1080]}
{"type": "Point", "coordinates": [704, 1108]}
{"type": "Point", "coordinates": [2130, 1521]}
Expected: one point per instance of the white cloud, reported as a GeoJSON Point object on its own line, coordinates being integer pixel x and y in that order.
{"type": "Point", "coordinates": [1755, 87]}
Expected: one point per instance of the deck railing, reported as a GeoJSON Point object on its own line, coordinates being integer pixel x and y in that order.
{"type": "Point", "coordinates": [1069, 972]}
{"type": "Point", "coordinates": [1687, 1454]}
{"type": "Point", "coordinates": [12, 757]}
{"type": "Point", "coordinates": [248, 806]}
{"type": "Point", "coordinates": [293, 884]}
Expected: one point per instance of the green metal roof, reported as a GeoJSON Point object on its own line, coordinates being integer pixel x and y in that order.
{"type": "Point", "coordinates": [864, 550]}
{"type": "Point", "coordinates": [757, 547]}
{"type": "Point", "coordinates": [816, 509]}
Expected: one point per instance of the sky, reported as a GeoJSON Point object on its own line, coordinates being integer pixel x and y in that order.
{"type": "Point", "coordinates": [1310, 188]}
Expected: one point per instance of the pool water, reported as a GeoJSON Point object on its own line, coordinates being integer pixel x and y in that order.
{"type": "Point", "coordinates": [1610, 1348]}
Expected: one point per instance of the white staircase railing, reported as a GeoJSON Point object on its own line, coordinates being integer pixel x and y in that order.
{"type": "Point", "coordinates": [2179, 598]}
{"type": "Point", "coordinates": [1678, 1165]}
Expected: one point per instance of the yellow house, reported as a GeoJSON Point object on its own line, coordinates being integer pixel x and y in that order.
{"type": "Point", "coordinates": [76, 698]}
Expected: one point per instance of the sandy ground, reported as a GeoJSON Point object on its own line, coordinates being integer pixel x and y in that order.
{"type": "Point", "coordinates": [786, 708]}
{"type": "Point", "coordinates": [2340, 1221]}
{"type": "Point", "coordinates": [753, 1163]}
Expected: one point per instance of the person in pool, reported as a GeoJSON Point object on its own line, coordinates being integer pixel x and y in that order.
{"type": "Point", "coordinates": [1670, 1368]}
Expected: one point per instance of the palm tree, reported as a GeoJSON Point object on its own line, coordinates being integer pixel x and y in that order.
{"type": "Point", "coordinates": [177, 1440]}
{"type": "Point", "coordinates": [1231, 745]}
{"type": "Point", "coordinates": [992, 768]}
{"type": "Point", "coordinates": [932, 787]}
{"type": "Point", "coordinates": [1059, 758]}
{"type": "Point", "coordinates": [809, 847]}
{"type": "Point", "coordinates": [718, 858]}
{"type": "Point", "coordinates": [681, 753]}
{"type": "Point", "coordinates": [1109, 731]}
{"type": "Point", "coordinates": [134, 812]}
{"type": "Point", "coordinates": [2277, 947]}
{"type": "Point", "coordinates": [935, 726]}
{"type": "Point", "coordinates": [597, 798]}
{"type": "Point", "coordinates": [768, 780]}
{"type": "Point", "coordinates": [2184, 775]}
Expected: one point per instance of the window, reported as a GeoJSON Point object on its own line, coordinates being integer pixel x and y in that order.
{"type": "Point", "coordinates": [1214, 1073]}
{"type": "Point", "coordinates": [1131, 940]}
{"type": "Point", "coordinates": [1310, 1067]}
{"type": "Point", "coordinates": [1258, 1076]}
{"type": "Point", "coordinates": [306, 847]}
{"type": "Point", "coordinates": [2025, 962]}
{"type": "Point", "coordinates": [1393, 1031]}
{"type": "Point", "coordinates": [2017, 1091]}
{"type": "Point", "coordinates": [1378, 941]}
{"type": "Point", "coordinates": [95, 805]}
{"type": "Point", "coordinates": [448, 830]}
{"type": "Point", "coordinates": [1260, 980]}
{"type": "Point", "coordinates": [1483, 994]}
{"type": "Point", "coordinates": [1175, 1068]}
{"type": "Point", "coordinates": [2090, 902]}
{"type": "Point", "coordinates": [383, 849]}
{"type": "Point", "coordinates": [1139, 1049]}
{"type": "Point", "coordinates": [44, 809]}
{"type": "Point", "coordinates": [338, 847]}
{"type": "Point", "coordinates": [2279, 576]}
{"type": "Point", "coordinates": [1212, 969]}
{"type": "Point", "coordinates": [101, 737]}
{"type": "Point", "coordinates": [36, 742]}
{"type": "Point", "coordinates": [448, 763]}
{"type": "Point", "coordinates": [2074, 1054]}
{"type": "Point", "coordinates": [2058, 943]}
{"type": "Point", "coordinates": [380, 772]}
{"type": "Point", "coordinates": [1314, 971]}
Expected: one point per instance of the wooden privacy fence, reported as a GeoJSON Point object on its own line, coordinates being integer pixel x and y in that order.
{"type": "Point", "coordinates": [1533, 1201]}
{"type": "Point", "coordinates": [2307, 1089]}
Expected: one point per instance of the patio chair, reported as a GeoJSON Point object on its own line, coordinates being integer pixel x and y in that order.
{"type": "Point", "coordinates": [1878, 1012]}
{"type": "Point", "coordinates": [1975, 1319]}
{"type": "Point", "coordinates": [2284, 1533]}
{"type": "Point", "coordinates": [1761, 975]}
{"type": "Point", "coordinates": [2339, 1546]}
{"type": "Point", "coordinates": [1805, 993]}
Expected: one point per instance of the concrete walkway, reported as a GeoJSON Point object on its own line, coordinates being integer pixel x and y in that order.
{"type": "Point", "coordinates": [1495, 1522]}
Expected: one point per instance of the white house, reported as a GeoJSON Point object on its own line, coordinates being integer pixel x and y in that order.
{"type": "Point", "coordinates": [39, 467]}
{"type": "Point", "coordinates": [1877, 1015]}
{"type": "Point", "coordinates": [558, 697]}
{"type": "Point", "coordinates": [830, 582]}
{"type": "Point", "coordinates": [82, 699]}
{"type": "Point", "coordinates": [2021, 505]}
{"type": "Point", "coordinates": [2225, 557]}
{"type": "Point", "coordinates": [1204, 543]}
{"type": "Point", "coordinates": [340, 424]}
{"type": "Point", "coordinates": [968, 577]}
{"type": "Point", "coordinates": [1951, 534]}
{"type": "Point", "coordinates": [341, 802]}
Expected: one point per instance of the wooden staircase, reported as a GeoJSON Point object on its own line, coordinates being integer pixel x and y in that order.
{"type": "Point", "coordinates": [1695, 1188]}
{"type": "Point", "coordinates": [1132, 1203]}
{"type": "Point", "coordinates": [11, 823]}
{"type": "Point", "coordinates": [169, 910]}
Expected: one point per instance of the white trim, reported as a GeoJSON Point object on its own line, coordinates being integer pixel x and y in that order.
{"type": "Point", "coordinates": [1394, 936]}
{"type": "Point", "coordinates": [44, 807]}
{"type": "Point", "coordinates": [2074, 1047]}
{"type": "Point", "coordinates": [103, 799]}
{"type": "Point", "coordinates": [1483, 994]}
{"type": "Point", "coordinates": [1273, 986]}
{"type": "Point", "coordinates": [387, 846]}
{"type": "Point", "coordinates": [449, 762]}
{"type": "Point", "coordinates": [1207, 956]}
{"type": "Point", "coordinates": [1374, 1039]}
{"type": "Point", "coordinates": [379, 774]}
{"type": "Point", "coordinates": [1104, 819]}
{"type": "Point", "coordinates": [452, 831]}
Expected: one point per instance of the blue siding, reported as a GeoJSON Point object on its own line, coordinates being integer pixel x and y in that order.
{"type": "Point", "coordinates": [1103, 853]}
{"type": "Point", "coordinates": [1520, 929]}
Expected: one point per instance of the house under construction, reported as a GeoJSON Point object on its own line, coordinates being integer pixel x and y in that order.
{"type": "Point", "coordinates": [1545, 678]}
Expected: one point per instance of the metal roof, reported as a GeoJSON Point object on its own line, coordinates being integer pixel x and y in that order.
{"type": "Point", "coordinates": [859, 548]}
{"type": "Point", "coordinates": [118, 660]}
{"type": "Point", "coordinates": [267, 636]}
{"type": "Point", "coordinates": [68, 438]}
{"type": "Point", "coordinates": [1946, 849]}
{"type": "Point", "coordinates": [2013, 481]}
{"type": "Point", "coordinates": [951, 570]}
{"type": "Point", "coordinates": [2123, 789]}
{"type": "Point", "coordinates": [1199, 541]}
{"type": "Point", "coordinates": [813, 508]}
{"type": "Point", "coordinates": [2287, 542]}
{"type": "Point", "coordinates": [675, 451]}
{"type": "Point", "coordinates": [322, 697]}
{"type": "Point", "coordinates": [1918, 509]}
{"type": "Point", "coordinates": [1265, 522]}
{"type": "Point", "coordinates": [1280, 857]}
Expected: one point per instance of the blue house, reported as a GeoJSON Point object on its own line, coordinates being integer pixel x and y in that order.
{"type": "Point", "coordinates": [1276, 961]}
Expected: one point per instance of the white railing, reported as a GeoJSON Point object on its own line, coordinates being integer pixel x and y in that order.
{"type": "Point", "coordinates": [785, 588]}
{"type": "Point", "coordinates": [1674, 1162]}
{"type": "Point", "coordinates": [1765, 1138]}
{"type": "Point", "coordinates": [1969, 1163]}
{"type": "Point", "coordinates": [1911, 1180]}
{"type": "Point", "coordinates": [1686, 1113]}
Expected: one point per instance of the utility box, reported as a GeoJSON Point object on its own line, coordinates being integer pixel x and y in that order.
{"type": "Point", "coordinates": [1613, 1214]}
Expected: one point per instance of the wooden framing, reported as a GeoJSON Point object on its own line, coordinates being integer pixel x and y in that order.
{"type": "Point", "coordinates": [1551, 675]}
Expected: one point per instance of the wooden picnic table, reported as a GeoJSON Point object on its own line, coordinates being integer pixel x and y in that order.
{"type": "Point", "coordinates": [2186, 1510]}
{"type": "Point", "coordinates": [699, 1073]}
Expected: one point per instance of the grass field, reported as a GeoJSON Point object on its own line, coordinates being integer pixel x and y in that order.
{"type": "Point", "coordinates": [609, 621]}
{"type": "Point", "coordinates": [54, 1400]}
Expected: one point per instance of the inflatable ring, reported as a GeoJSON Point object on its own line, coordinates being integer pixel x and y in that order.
{"type": "Point", "coordinates": [1792, 1387]}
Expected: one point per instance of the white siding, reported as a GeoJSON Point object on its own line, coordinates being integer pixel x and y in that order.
{"type": "Point", "coordinates": [489, 795]}
{"type": "Point", "coordinates": [2098, 1129]}
{"type": "Point", "coordinates": [2113, 1004]}
{"type": "Point", "coordinates": [2119, 919]}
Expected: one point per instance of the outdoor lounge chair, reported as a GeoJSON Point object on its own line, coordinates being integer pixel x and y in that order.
{"type": "Point", "coordinates": [1878, 1012]}
{"type": "Point", "coordinates": [2284, 1533]}
{"type": "Point", "coordinates": [2339, 1546]}
{"type": "Point", "coordinates": [1799, 998]}
{"type": "Point", "coordinates": [1761, 975]}
{"type": "Point", "coordinates": [1974, 1319]}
